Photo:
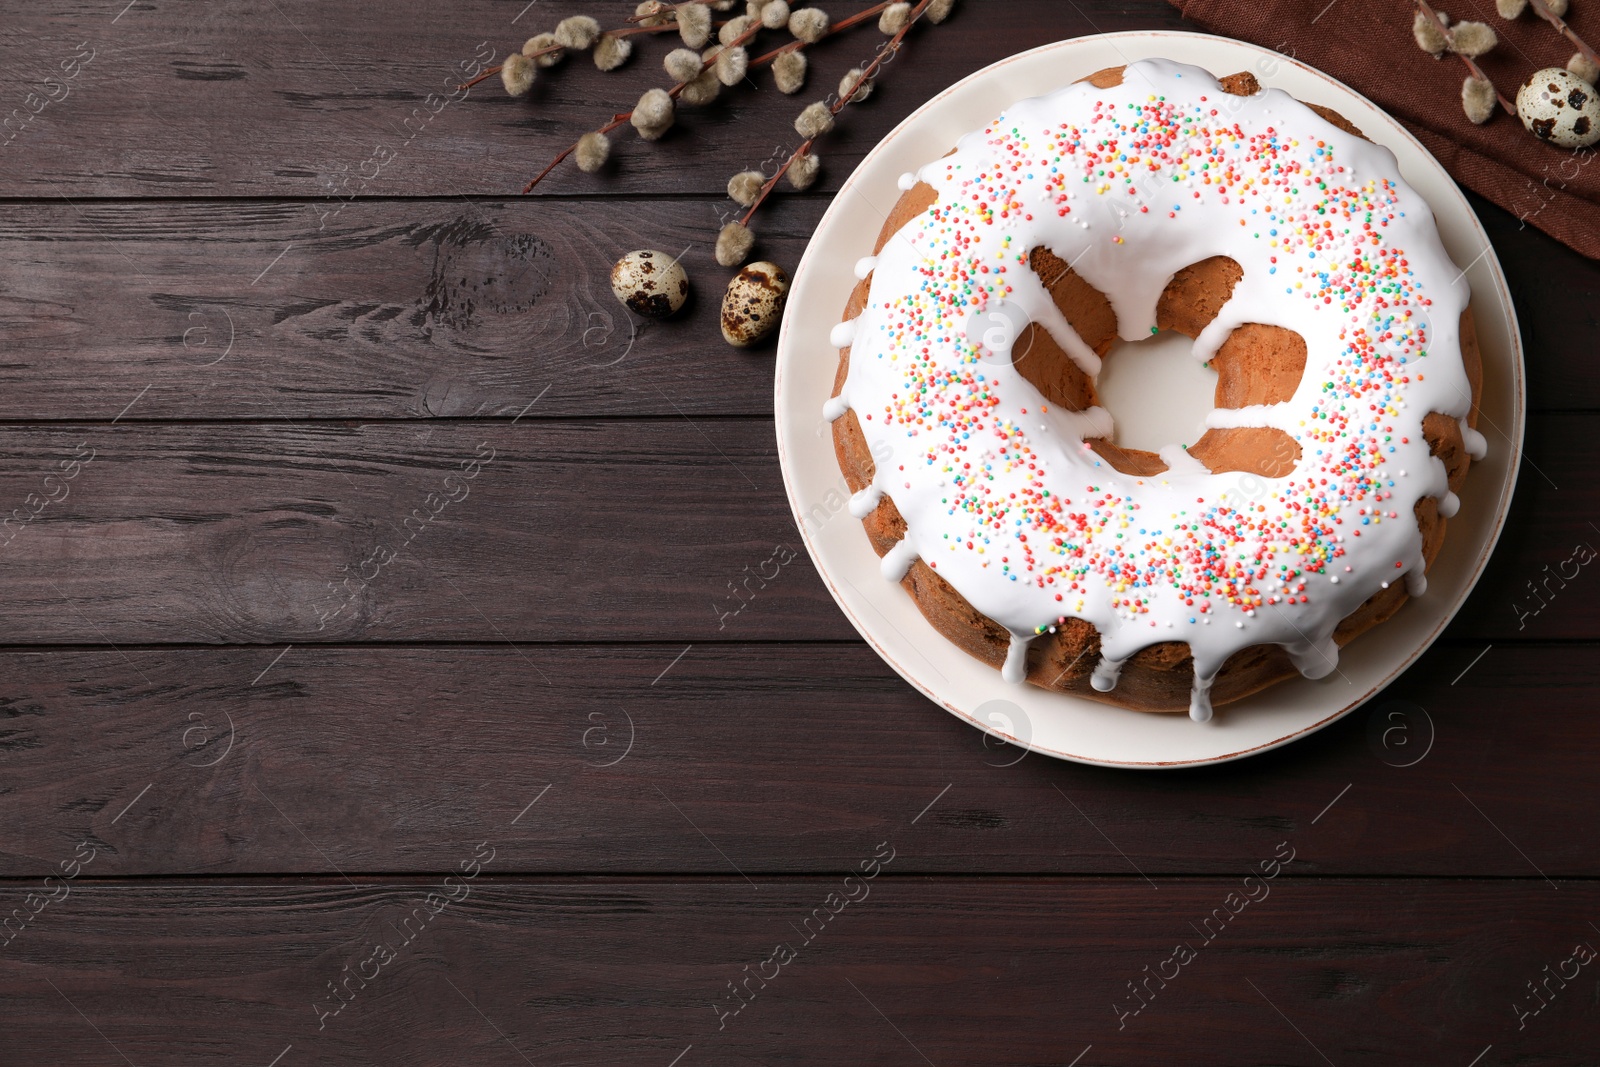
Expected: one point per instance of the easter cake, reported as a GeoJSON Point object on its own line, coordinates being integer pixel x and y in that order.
{"type": "Point", "coordinates": [1310, 277]}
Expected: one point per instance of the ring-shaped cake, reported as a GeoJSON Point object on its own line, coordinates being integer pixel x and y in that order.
{"type": "Point", "coordinates": [1311, 278]}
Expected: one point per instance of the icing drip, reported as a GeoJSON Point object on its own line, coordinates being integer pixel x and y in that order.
{"type": "Point", "coordinates": [1281, 416]}
{"type": "Point", "coordinates": [1315, 659]}
{"type": "Point", "coordinates": [1449, 504]}
{"type": "Point", "coordinates": [864, 267]}
{"type": "Point", "coordinates": [844, 334]}
{"type": "Point", "coordinates": [1036, 303]}
{"type": "Point", "coordinates": [865, 502]}
{"type": "Point", "coordinates": [1079, 425]}
{"type": "Point", "coordinates": [1131, 184]}
{"type": "Point", "coordinates": [1179, 461]}
{"type": "Point", "coordinates": [1200, 699]}
{"type": "Point", "coordinates": [1416, 581]}
{"type": "Point", "coordinates": [907, 182]}
{"type": "Point", "coordinates": [835, 408]}
{"type": "Point", "coordinates": [1477, 444]}
{"type": "Point", "coordinates": [897, 561]}
{"type": "Point", "coordinates": [1015, 670]}
{"type": "Point", "coordinates": [1106, 673]}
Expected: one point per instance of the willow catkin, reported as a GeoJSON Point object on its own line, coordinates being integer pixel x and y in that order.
{"type": "Point", "coordinates": [539, 42]}
{"type": "Point", "coordinates": [694, 24]}
{"type": "Point", "coordinates": [894, 18]}
{"type": "Point", "coordinates": [1429, 37]}
{"type": "Point", "coordinates": [814, 121]}
{"type": "Point", "coordinates": [578, 31]}
{"type": "Point", "coordinates": [809, 24]}
{"type": "Point", "coordinates": [789, 72]}
{"type": "Point", "coordinates": [1472, 38]}
{"type": "Point", "coordinates": [517, 73]}
{"type": "Point", "coordinates": [733, 29]}
{"type": "Point", "coordinates": [683, 64]}
{"type": "Point", "coordinates": [744, 187]}
{"type": "Point", "coordinates": [592, 152]}
{"type": "Point", "coordinates": [701, 89]}
{"type": "Point", "coordinates": [653, 13]}
{"type": "Point", "coordinates": [803, 170]}
{"type": "Point", "coordinates": [775, 14]}
{"type": "Point", "coordinates": [734, 244]}
{"type": "Point", "coordinates": [652, 115]}
{"type": "Point", "coordinates": [611, 51]}
{"type": "Point", "coordinates": [731, 65]}
{"type": "Point", "coordinates": [1477, 99]}
{"type": "Point", "coordinates": [856, 82]}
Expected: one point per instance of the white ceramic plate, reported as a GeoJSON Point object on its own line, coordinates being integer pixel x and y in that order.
{"type": "Point", "coordinates": [1057, 724]}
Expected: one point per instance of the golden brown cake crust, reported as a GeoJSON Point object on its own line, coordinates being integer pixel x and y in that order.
{"type": "Point", "coordinates": [1257, 364]}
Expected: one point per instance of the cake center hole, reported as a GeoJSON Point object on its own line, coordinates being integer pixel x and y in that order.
{"type": "Point", "coordinates": [1156, 391]}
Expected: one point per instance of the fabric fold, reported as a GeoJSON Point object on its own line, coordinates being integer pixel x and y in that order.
{"type": "Point", "coordinates": [1367, 45]}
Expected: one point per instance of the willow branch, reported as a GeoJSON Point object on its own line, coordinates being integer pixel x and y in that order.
{"type": "Point", "coordinates": [627, 32]}
{"type": "Point", "coordinates": [1542, 9]}
{"type": "Point", "coordinates": [621, 117]}
{"type": "Point", "coordinates": [833, 28]}
{"type": "Point", "coordinates": [1477, 71]}
{"type": "Point", "coordinates": [888, 49]}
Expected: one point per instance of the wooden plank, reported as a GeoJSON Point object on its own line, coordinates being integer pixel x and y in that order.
{"type": "Point", "coordinates": [441, 309]}
{"type": "Point", "coordinates": [206, 309]}
{"type": "Point", "coordinates": [608, 530]}
{"type": "Point", "coordinates": [987, 971]}
{"type": "Point", "coordinates": [602, 531]}
{"type": "Point", "coordinates": [761, 758]}
{"type": "Point", "coordinates": [321, 100]}
{"type": "Point", "coordinates": [1537, 585]}
{"type": "Point", "coordinates": [1559, 322]}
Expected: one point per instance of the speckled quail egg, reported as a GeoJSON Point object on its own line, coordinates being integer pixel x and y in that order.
{"type": "Point", "coordinates": [1560, 107]}
{"type": "Point", "coordinates": [652, 283]}
{"type": "Point", "coordinates": [753, 304]}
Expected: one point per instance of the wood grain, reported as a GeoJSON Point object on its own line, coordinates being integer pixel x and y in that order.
{"type": "Point", "coordinates": [354, 530]}
{"type": "Point", "coordinates": [482, 531]}
{"type": "Point", "coordinates": [253, 311]}
{"type": "Point", "coordinates": [607, 531]}
{"type": "Point", "coordinates": [960, 971]}
{"type": "Point", "coordinates": [452, 308]}
{"type": "Point", "coordinates": [293, 98]}
{"type": "Point", "coordinates": [788, 758]}
{"type": "Point", "coordinates": [1557, 296]}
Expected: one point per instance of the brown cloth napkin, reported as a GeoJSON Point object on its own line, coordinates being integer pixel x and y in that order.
{"type": "Point", "coordinates": [1367, 44]}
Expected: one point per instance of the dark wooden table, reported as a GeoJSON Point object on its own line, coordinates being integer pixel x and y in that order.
{"type": "Point", "coordinates": [363, 697]}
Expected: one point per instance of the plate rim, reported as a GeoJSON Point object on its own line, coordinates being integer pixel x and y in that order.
{"type": "Point", "coordinates": [1514, 440]}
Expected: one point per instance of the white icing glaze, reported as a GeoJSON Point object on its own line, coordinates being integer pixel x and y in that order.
{"type": "Point", "coordinates": [1281, 416]}
{"type": "Point", "coordinates": [1093, 423]}
{"type": "Point", "coordinates": [1315, 659]}
{"type": "Point", "coordinates": [864, 267]}
{"type": "Point", "coordinates": [897, 561]}
{"type": "Point", "coordinates": [865, 502]}
{"type": "Point", "coordinates": [1179, 461]}
{"type": "Point", "coordinates": [999, 492]}
{"type": "Point", "coordinates": [1477, 444]}
{"type": "Point", "coordinates": [1416, 580]}
{"type": "Point", "coordinates": [842, 335]}
{"type": "Point", "coordinates": [835, 407]}
{"type": "Point", "coordinates": [1200, 699]}
{"type": "Point", "coordinates": [1105, 675]}
{"type": "Point", "coordinates": [907, 182]}
{"type": "Point", "coordinates": [1015, 669]}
